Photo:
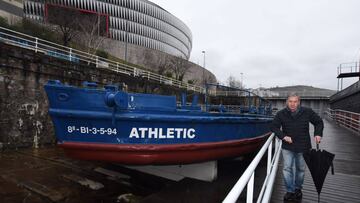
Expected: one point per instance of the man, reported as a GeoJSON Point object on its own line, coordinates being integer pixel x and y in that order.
{"type": "Point", "coordinates": [291, 125]}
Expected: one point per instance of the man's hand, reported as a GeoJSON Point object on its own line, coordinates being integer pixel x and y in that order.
{"type": "Point", "coordinates": [317, 139]}
{"type": "Point", "coordinates": [288, 139]}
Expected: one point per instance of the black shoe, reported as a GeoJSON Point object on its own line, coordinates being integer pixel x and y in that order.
{"type": "Point", "coordinates": [289, 196]}
{"type": "Point", "coordinates": [298, 194]}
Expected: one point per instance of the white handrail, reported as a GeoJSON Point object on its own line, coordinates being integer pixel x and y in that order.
{"type": "Point", "coordinates": [248, 176]}
{"type": "Point", "coordinates": [39, 45]}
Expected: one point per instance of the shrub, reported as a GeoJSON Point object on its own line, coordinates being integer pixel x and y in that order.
{"type": "Point", "coordinates": [4, 22]}
{"type": "Point", "coordinates": [102, 54]}
{"type": "Point", "coordinates": [168, 74]}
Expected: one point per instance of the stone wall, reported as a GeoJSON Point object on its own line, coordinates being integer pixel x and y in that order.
{"type": "Point", "coordinates": [151, 59]}
{"type": "Point", "coordinates": [24, 119]}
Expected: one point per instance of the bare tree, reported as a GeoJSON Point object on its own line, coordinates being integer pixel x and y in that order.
{"type": "Point", "coordinates": [163, 64]}
{"type": "Point", "coordinates": [90, 27]}
{"type": "Point", "coordinates": [207, 78]}
{"type": "Point", "coordinates": [67, 34]}
{"type": "Point", "coordinates": [234, 82]}
{"type": "Point", "coordinates": [64, 19]}
{"type": "Point", "coordinates": [179, 67]}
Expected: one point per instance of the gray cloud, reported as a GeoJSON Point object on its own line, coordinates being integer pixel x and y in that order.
{"type": "Point", "coordinates": [278, 42]}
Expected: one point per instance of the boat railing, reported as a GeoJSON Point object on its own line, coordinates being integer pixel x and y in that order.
{"type": "Point", "coordinates": [249, 102]}
{"type": "Point", "coordinates": [232, 109]}
{"type": "Point", "coordinates": [247, 178]}
{"type": "Point", "coordinates": [51, 49]}
{"type": "Point", "coordinates": [346, 119]}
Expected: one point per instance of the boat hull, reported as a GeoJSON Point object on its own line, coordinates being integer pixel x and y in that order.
{"type": "Point", "coordinates": [141, 129]}
{"type": "Point", "coordinates": [131, 154]}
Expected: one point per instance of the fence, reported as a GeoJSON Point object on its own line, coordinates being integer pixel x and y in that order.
{"type": "Point", "coordinates": [248, 176]}
{"type": "Point", "coordinates": [352, 67]}
{"type": "Point", "coordinates": [76, 56]}
{"type": "Point", "coordinates": [347, 119]}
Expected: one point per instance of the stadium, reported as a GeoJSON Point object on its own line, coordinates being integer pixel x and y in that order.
{"type": "Point", "coordinates": [137, 22]}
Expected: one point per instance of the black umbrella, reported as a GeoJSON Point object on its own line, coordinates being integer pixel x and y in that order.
{"type": "Point", "coordinates": [319, 162]}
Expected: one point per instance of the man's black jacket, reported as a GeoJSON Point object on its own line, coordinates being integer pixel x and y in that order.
{"type": "Point", "coordinates": [297, 127]}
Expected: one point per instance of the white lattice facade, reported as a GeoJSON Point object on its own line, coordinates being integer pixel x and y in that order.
{"type": "Point", "coordinates": [139, 22]}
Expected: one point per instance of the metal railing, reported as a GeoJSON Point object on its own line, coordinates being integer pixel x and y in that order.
{"type": "Point", "coordinates": [347, 119]}
{"type": "Point", "coordinates": [76, 56]}
{"type": "Point", "coordinates": [274, 94]}
{"type": "Point", "coordinates": [247, 179]}
{"type": "Point", "coordinates": [351, 67]}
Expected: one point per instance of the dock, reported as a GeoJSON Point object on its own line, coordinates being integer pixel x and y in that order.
{"type": "Point", "coordinates": [342, 187]}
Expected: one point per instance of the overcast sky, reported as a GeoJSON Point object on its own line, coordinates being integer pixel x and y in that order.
{"type": "Point", "coordinates": [272, 42]}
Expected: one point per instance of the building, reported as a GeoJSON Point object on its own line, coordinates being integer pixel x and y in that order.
{"type": "Point", "coordinates": [138, 31]}
{"type": "Point", "coordinates": [11, 10]}
{"type": "Point", "coordinates": [137, 22]}
{"type": "Point", "coordinates": [315, 98]}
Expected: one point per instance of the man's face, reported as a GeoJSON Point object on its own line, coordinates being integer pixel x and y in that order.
{"type": "Point", "coordinates": [293, 103]}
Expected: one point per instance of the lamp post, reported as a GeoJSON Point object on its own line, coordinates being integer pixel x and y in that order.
{"type": "Point", "coordinates": [242, 80]}
{"type": "Point", "coordinates": [203, 73]}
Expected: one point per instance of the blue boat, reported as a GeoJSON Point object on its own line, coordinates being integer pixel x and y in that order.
{"type": "Point", "coordinates": [112, 125]}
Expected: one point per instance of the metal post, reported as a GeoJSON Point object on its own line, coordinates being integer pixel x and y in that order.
{"type": "Point", "coordinates": [36, 44]}
{"type": "Point", "coordinates": [247, 178]}
{"type": "Point", "coordinates": [340, 68]}
{"type": "Point", "coordinates": [117, 67]}
{"type": "Point", "coordinates": [269, 157]}
{"type": "Point", "coordinates": [206, 98]}
{"type": "Point", "coordinates": [203, 73]}
{"type": "Point", "coordinates": [249, 95]}
{"type": "Point", "coordinates": [342, 83]}
{"type": "Point", "coordinates": [250, 189]}
{"type": "Point", "coordinates": [241, 82]}
{"type": "Point", "coordinates": [70, 54]}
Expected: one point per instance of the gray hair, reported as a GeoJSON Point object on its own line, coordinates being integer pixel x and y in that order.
{"type": "Point", "coordinates": [293, 94]}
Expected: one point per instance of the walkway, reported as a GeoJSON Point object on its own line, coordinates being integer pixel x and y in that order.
{"type": "Point", "coordinates": [342, 187]}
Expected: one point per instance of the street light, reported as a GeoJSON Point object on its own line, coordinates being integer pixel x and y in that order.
{"type": "Point", "coordinates": [204, 57]}
{"type": "Point", "coordinates": [203, 74]}
{"type": "Point", "coordinates": [242, 80]}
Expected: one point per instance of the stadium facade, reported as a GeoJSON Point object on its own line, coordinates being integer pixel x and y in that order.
{"type": "Point", "coordinates": [136, 22]}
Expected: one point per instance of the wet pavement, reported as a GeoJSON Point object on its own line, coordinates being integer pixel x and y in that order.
{"type": "Point", "coordinates": [47, 175]}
